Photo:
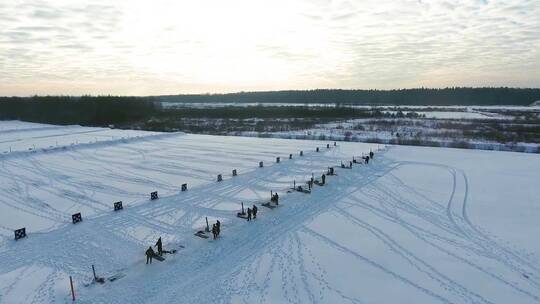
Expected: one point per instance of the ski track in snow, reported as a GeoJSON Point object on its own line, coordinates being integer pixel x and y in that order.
{"type": "Point", "coordinates": [270, 260]}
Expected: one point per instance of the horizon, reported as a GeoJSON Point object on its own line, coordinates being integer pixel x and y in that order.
{"type": "Point", "coordinates": [132, 48]}
{"type": "Point", "coordinates": [263, 91]}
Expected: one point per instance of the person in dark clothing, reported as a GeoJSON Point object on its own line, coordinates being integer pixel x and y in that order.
{"type": "Point", "coordinates": [276, 198]}
{"type": "Point", "coordinates": [149, 254]}
{"type": "Point", "coordinates": [159, 246]}
{"type": "Point", "coordinates": [350, 164]}
{"type": "Point", "coordinates": [249, 214]}
{"type": "Point", "coordinates": [367, 160]}
{"type": "Point", "coordinates": [323, 179]}
{"type": "Point", "coordinates": [214, 231]}
{"type": "Point", "coordinates": [254, 211]}
{"type": "Point", "coordinates": [218, 227]}
{"type": "Point", "coordinates": [371, 154]}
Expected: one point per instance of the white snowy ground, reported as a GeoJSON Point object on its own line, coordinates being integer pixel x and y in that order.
{"type": "Point", "coordinates": [416, 225]}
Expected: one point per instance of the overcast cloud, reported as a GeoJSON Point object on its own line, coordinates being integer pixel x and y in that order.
{"type": "Point", "coordinates": [172, 46]}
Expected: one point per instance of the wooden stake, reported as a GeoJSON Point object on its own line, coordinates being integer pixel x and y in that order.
{"type": "Point", "coordinates": [72, 289]}
{"type": "Point", "coordinates": [207, 227]}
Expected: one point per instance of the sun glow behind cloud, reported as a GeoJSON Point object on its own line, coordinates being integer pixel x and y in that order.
{"type": "Point", "coordinates": [168, 47]}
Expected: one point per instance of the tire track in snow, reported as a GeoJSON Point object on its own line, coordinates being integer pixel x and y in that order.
{"type": "Point", "coordinates": [239, 245]}
{"type": "Point", "coordinates": [412, 228]}
{"type": "Point", "coordinates": [375, 265]}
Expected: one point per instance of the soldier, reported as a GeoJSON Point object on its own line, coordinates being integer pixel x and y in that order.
{"type": "Point", "coordinates": [350, 164]}
{"type": "Point", "coordinates": [371, 154]}
{"type": "Point", "coordinates": [159, 246]}
{"type": "Point", "coordinates": [249, 214]}
{"type": "Point", "coordinates": [254, 211]}
{"type": "Point", "coordinates": [276, 198]}
{"type": "Point", "coordinates": [323, 178]}
{"type": "Point", "coordinates": [214, 231]}
{"type": "Point", "coordinates": [149, 254]}
{"type": "Point", "coordinates": [218, 227]}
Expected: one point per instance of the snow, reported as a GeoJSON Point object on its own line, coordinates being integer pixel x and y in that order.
{"type": "Point", "coordinates": [17, 136]}
{"type": "Point", "coordinates": [416, 225]}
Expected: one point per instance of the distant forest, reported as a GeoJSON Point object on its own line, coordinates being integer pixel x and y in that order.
{"type": "Point", "coordinates": [85, 110]}
{"type": "Point", "coordinates": [148, 111]}
{"type": "Point", "coordinates": [435, 97]}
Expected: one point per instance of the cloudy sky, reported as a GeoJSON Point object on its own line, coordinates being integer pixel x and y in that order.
{"type": "Point", "coordinates": [132, 47]}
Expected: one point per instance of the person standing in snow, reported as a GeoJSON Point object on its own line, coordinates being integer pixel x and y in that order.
{"type": "Point", "coordinates": [218, 227]}
{"type": "Point", "coordinates": [371, 154]}
{"type": "Point", "coordinates": [323, 179]}
{"type": "Point", "coordinates": [214, 231]}
{"type": "Point", "coordinates": [254, 210]}
{"type": "Point", "coordinates": [249, 214]}
{"type": "Point", "coordinates": [276, 198]}
{"type": "Point", "coordinates": [159, 246]}
{"type": "Point", "coordinates": [149, 254]}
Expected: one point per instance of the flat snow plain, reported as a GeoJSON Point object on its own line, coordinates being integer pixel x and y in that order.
{"type": "Point", "coordinates": [416, 225]}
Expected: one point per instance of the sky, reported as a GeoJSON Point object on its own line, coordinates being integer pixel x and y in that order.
{"type": "Point", "coordinates": [132, 47]}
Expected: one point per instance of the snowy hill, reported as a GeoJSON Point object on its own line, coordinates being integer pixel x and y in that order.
{"type": "Point", "coordinates": [415, 225]}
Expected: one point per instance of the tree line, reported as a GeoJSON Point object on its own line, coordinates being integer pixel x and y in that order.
{"type": "Point", "coordinates": [420, 96]}
{"type": "Point", "coordinates": [85, 110]}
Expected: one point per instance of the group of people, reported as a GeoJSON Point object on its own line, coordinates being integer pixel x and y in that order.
{"type": "Point", "coordinates": [275, 198]}
{"type": "Point", "coordinates": [150, 253]}
{"type": "Point", "coordinates": [252, 212]}
{"type": "Point", "coordinates": [216, 229]}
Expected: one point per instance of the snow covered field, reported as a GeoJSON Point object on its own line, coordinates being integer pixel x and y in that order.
{"type": "Point", "coordinates": [416, 225]}
{"type": "Point", "coordinates": [18, 136]}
